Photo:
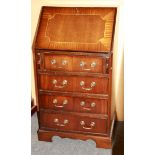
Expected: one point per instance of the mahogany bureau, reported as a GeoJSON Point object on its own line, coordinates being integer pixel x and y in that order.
{"type": "Point", "coordinates": [73, 68]}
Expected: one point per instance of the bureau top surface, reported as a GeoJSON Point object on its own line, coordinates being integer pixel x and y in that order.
{"type": "Point", "coordinates": [76, 29]}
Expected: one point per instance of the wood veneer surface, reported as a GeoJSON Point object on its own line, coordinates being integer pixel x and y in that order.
{"type": "Point", "coordinates": [86, 29]}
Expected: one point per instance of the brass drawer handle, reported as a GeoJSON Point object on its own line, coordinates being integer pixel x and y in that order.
{"type": "Point", "coordinates": [93, 64]}
{"type": "Point", "coordinates": [63, 62]}
{"type": "Point", "coordinates": [82, 65]}
{"type": "Point", "coordinates": [53, 61]}
{"type": "Point", "coordinates": [56, 121]}
{"type": "Point", "coordinates": [82, 83]}
{"type": "Point", "coordinates": [64, 83]}
{"type": "Point", "coordinates": [55, 101]}
{"type": "Point", "coordinates": [92, 125]}
{"type": "Point", "coordinates": [82, 103]}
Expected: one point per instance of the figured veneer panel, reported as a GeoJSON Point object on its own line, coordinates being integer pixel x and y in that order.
{"type": "Point", "coordinates": [74, 84]}
{"type": "Point", "coordinates": [87, 29]}
{"type": "Point", "coordinates": [91, 105]}
{"type": "Point", "coordinates": [74, 104]}
{"type": "Point", "coordinates": [56, 83]}
{"type": "Point", "coordinates": [93, 125]}
{"type": "Point", "coordinates": [91, 85]}
{"type": "Point", "coordinates": [89, 64]}
{"type": "Point", "coordinates": [72, 63]}
{"type": "Point", "coordinates": [68, 122]}
{"type": "Point", "coordinates": [56, 121]}
{"type": "Point", "coordinates": [57, 62]}
{"type": "Point", "coordinates": [54, 102]}
{"type": "Point", "coordinates": [78, 25]}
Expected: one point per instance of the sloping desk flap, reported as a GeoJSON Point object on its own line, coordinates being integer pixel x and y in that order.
{"type": "Point", "coordinates": [77, 29]}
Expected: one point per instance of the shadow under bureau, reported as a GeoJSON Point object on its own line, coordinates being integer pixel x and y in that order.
{"type": "Point", "coordinates": [73, 73]}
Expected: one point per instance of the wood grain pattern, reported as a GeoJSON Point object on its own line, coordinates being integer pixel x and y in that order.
{"type": "Point", "coordinates": [75, 104]}
{"type": "Point", "coordinates": [70, 63]}
{"type": "Point", "coordinates": [62, 28]}
{"type": "Point", "coordinates": [56, 102]}
{"type": "Point", "coordinates": [73, 124]}
{"type": "Point", "coordinates": [78, 25]}
{"type": "Point", "coordinates": [57, 62]}
{"type": "Point", "coordinates": [101, 106]}
{"type": "Point", "coordinates": [101, 85]}
{"type": "Point", "coordinates": [73, 84]}
{"type": "Point", "coordinates": [73, 72]}
{"type": "Point", "coordinates": [89, 64]}
{"type": "Point", "coordinates": [101, 141]}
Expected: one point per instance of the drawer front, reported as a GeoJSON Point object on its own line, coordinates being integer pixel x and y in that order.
{"type": "Point", "coordinates": [56, 83]}
{"type": "Point", "coordinates": [74, 84]}
{"type": "Point", "coordinates": [57, 62]}
{"type": "Point", "coordinates": [93, 125]}
{"type": "Point", "coordinates": [54, 102]}
{"type": "Point", "coordinates": [73, 122]}
{"type": "Point", "coordinates": [71, 63]}
{"type": "Point", "coordinates": [58, 121]}
{"type": "Point", "coordinates": [91, 85]}
{"type": "Point", "coordinates": [74, 104]}
{"type": "Point", "coordinates": [90, 105]}
{"type": "Point", "coordinates": [88, 64]}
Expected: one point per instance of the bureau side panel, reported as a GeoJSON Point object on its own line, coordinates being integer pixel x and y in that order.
{"type": "Point", "coordinates": [112, 104]}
